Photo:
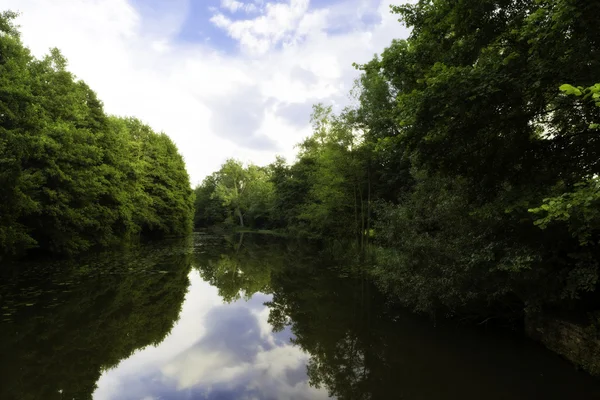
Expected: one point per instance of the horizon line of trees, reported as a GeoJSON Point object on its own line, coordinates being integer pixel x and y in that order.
{"type": "Point", "coordinates": [471, 161]}
{"type": "Point", "coordinates": [71, 176]}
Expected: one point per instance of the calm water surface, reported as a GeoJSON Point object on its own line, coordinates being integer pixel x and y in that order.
{"type": "Point", "coordinates": [246, 318]}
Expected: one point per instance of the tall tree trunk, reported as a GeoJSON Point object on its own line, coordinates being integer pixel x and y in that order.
{"type": "Point", "coordinates": [355, 214]}
{"type": "Point", "coordinates": [362, 220]}
{"type": "Point", "coordinates": [239, 213]}
{"type": "Point", "coordinates": [239, 245]}
{"type": "Point", "coordinates": [368, 201]}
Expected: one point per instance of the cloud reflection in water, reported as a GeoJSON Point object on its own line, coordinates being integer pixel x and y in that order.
{"type": "Point", "coordinates": [215, 351]}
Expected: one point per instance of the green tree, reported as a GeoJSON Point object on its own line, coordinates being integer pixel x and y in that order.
{"type": "Point", "coordinates": [231, 187]}
{"type": "Point", "coordinates": [73, 177]}
{"type": "Point", "coordinates": [461, 139]}
{"type": "Point", "coordinates": [209, 208]}
{"type": "Point", "coordinates": [579, 208]}
{"type": "Point", "coordinates": [17, 118]}
{"type": "Point", "coordinates": [476, 113]}
{"type": "Point", "coordinates": [235, 191]}
{"type": "Point", "coordinates": [327, 191]}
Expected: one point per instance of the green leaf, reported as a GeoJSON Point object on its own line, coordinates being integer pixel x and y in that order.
{"type": "Point", "coordinates": [570, 90]}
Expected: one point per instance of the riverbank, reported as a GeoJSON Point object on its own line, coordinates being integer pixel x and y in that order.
{"type": "Point", "coordinates": [575, 341]}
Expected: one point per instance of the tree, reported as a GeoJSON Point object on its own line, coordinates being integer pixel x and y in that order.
{"type": "Point", "coordinates": [327, 191]}
{"type": "Point", "coordinates": [578, 207]}
{"type": "Point", "coordinates": [477, 114]}
{"type": "Point", "coordinates": [245, 193]}
{"type": "Point", "coordinates": [17, 116]}
{"type": "Point", "coordinates": [459, 148]}
{"type": "Point", "coordinates": [209, 209]}
{"type": "Point", "coordinates": [74, 178]}
{"type": "Point", "coordinates": [231, 187]}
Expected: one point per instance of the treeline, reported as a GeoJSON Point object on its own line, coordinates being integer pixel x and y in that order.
{"type": "Point", "coordinates": [72, 177]}
{"type": "Point", "coordinates": [469, 160]}
{"type": "Point", "coordinates": [326, 193]}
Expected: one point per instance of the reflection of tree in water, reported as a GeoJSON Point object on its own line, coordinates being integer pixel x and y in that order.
{"type": "Point", "coordinates": [241, 265]}
{"type": "Point", "coordinates": [328, 315]}
{"type": "Point", "coordinates": [319, 302]}
{"type": "Point", "coordinates": [88, 320]}
{"type": "Point", "coordinates": [362, 349]}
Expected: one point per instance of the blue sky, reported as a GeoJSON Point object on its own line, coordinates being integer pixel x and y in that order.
{"type": "Point", "coordinates": [223, 78]}
{"type": "Point", "coordinates": [197, 26]}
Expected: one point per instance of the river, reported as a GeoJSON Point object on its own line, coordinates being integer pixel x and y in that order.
{"type": "Point", "coordinates": [247, 317]}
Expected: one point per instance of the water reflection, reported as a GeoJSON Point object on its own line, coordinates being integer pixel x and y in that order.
{"type": "Point", "coordinates": [215, 351]}
{"type": "Point", "coordinates": [240, 266]}
{"type": "Point", "coordinates": [249, 318]}
{"type": "Point", "coordinates": [61, 330]}
{"type": "Point", "coordinates": [222, 346]}
{"type": "Point", "coordinates": [363, 349]}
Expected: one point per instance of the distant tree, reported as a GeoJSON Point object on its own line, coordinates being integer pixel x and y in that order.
{"type": "Point", "coordinates": [231, 187]}
{"type": "Point", "coordinates": [243, 193]}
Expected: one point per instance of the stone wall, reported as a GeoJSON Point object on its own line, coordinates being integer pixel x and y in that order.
{"type": "Point", "coordinates": [579, 343]}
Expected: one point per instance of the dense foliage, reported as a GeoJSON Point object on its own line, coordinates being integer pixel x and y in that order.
{"type": "Point", "coordinates": [490, 138]}
{"type": "Point", "coordinates": [71, 176]}
{"type": "Point", "coordinates": [469, 158]}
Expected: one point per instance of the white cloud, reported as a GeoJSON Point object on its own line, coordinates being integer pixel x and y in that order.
{"type": "Point", "coordinates": [200, 95]}
{"type": "Point", "coordinates": [278, 24]}
{"type": "Point", "coordinates": [234, 6]}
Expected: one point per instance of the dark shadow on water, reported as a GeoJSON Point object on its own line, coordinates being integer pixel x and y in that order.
{"type": "Point", "coordinates": [65, 323]}
{"type": "Point", "coordinates": [363, 349]}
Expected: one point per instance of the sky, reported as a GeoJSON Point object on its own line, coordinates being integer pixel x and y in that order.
{"type": "Point", "coordinates": [223, 78]}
